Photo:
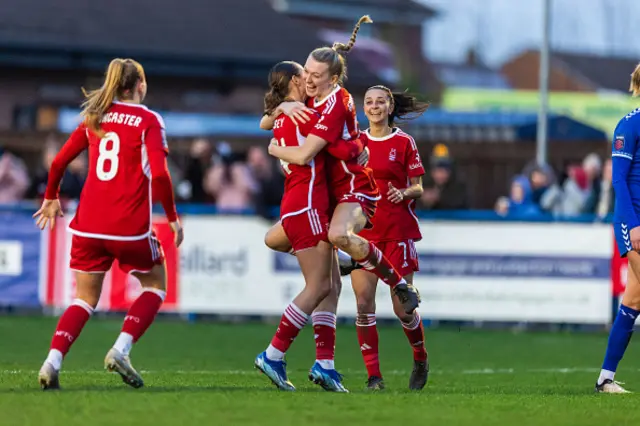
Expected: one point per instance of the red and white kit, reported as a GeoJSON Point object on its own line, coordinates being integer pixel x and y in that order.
{"type": "Point", "coordinates": [395, 159]}
{"type": "Point", "coordinates": [304, 210]}
{"type": "Point", "coordinates": [113, 219]}
{"type": "Point", "coordinates": [349, 182]}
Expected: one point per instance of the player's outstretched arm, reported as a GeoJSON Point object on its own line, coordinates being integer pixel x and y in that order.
{"type": "Point", "coordinates": [297, 111]}
{"type": "Point", "coordinates": [78, 141]}
{"type": "Point", "coordinates": [346, 150]}
{"type": "Point", "coordinates": [299, 155]}
{"type": "Point", "coordinates": [266, 123]}
{"type": "Point", "coordinates": [51, 209]}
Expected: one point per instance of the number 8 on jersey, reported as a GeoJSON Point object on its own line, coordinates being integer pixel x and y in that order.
{"type": "Point", "coordinates": [108, 152]}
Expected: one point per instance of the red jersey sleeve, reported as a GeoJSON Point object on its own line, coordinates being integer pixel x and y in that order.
{"type": "Point", "coordinates": [157, 151]}
{"type": "Point", "coordinates": [345, 150]}
{"type": "Point", "coordinates": [331, 123]}
{"type": "Point", "coordinates": [341, 149]}
{"type": "Point", "coordinates": [305, 128]}
{"type": "Point", "coordinates": [413, 162]}
{"type": "Point", "coordinates": [78, 141]}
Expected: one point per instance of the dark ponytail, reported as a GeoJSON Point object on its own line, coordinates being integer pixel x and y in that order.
{"type": "Point", "coordinates": [405, 105]}
{"type": "Point", "coordinates": [279, 78]}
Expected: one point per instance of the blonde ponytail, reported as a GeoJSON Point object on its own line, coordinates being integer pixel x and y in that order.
{"type": "Point", "coordinates": [98, 101]}
{"type": "Point", "coordinates": [346, 48]}
{"type": "Point", "coordinates": [634, 87]}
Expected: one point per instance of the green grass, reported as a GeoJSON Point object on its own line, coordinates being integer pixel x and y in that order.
{"type": "Point", "coordinates": [201, 374]}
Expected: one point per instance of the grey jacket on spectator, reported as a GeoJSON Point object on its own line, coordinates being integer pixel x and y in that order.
{"type": "Point", "coordinates": [566, 201]}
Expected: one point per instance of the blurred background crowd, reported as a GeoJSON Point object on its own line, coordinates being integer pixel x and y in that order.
{"type": "Point", "coordinates": [477, 140]}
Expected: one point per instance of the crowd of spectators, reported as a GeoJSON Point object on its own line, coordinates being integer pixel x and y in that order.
{"type": "Point", "coordinates": [212, 173]}
{"type": "Point", "coordinates": [578, 190]}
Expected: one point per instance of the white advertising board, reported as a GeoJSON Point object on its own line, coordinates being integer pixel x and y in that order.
{"type": "Point", "coordinates": [469, 271]}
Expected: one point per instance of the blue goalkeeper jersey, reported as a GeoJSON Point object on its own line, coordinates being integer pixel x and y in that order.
{"type": "Point", "coordinates": [625, 156]}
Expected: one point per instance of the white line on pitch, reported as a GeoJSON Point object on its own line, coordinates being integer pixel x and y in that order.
{"type": "Point", "coordinates": [481, 371]}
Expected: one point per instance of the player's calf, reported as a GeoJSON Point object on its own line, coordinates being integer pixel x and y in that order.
{"type": "Point", "coordinates": [67, 331]}
{"type": "Point", "coordinates": [139, 318]}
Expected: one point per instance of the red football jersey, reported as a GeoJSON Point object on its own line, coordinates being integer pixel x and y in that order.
{"type": "Point", "coordinates": [116, 199]}
{"type": "Point", "coordinates": [394, 159]}
{"type": "Point", "coordinates": [338, 121]}
{"type": "Point", "coordinates": [305, 187]}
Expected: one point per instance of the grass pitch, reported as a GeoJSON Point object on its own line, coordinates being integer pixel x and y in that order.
{"type": "Point", "coordinates": [202, 374]}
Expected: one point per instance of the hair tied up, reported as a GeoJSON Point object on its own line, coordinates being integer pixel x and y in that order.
{"type": "Point", "coordinates": [346, 48]}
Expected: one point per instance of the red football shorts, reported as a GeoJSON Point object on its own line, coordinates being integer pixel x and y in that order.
{"type": "Point", "coordinates": [402, 255]}
{"type": "Point", "coordinates": [97, 255]}
{"type": "Point", "coordinates": [306, 230]}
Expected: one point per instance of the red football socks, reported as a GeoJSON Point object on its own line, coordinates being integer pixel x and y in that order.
{"type": "Point", "coordinates": [68, 329]}
{"type": "Point", "coordinates": [143, 312]}
{"type": "Point", "coordinates": [368, 339]}
{"type": "Point", "coordinates": [377, 263]}
{"type": "Point", "coordinates": [415, 333]}
{"type": "Point", "coordinates": [324, 330]}
{"type": "Point", "coordinates": [292, 321]}
{"type": "Point", "coordinates": [140, 316]}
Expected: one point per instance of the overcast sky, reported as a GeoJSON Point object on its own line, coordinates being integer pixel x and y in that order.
{"type": "Point", "coordinates": [500, 29]}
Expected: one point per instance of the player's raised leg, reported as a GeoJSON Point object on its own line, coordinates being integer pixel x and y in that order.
{"type": "Point", "coordinates": [324, 317]}
{"type": "Point", "coordinates": [349, 219]}
{"type": "Point", "coordinates": [315, 263]}
{"type": "Point", "coordinates": [276, 239]}
{"type": "Point", "coordinates": [70, 325]}
{"type": "Point", "coordinates": [364, 285]}
{"type": "Point", "coordinates": [622, 329]}
{"type": "Point", "coordinates": [414, 330]}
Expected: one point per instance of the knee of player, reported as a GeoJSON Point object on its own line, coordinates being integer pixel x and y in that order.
{"type": "Point", "coordinates": [366, 305]}
{"type": "Point", "coordinates": [161, 286]}
{"type": "Point", "coordinates": [323, 288]}
{"type": "Point", "coordinates": [401, 314]}
{"type": "Point", "coordinates": [269, 241]}
{"type": "Point", "coordinates": [90, 299]}
{"type": "Point", "coordinates": [272, 240]}
{"type": "Point", "coordinates": [631, 299]}
{"type": "Point", "coordinates": [339, 238]}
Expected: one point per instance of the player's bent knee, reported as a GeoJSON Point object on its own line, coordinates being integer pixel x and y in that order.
{"type": "Point", "coordinates": [366, 306]}
{"type": "Point", "coordinates": [400, 313]}
{"type": "Point", "coordinates": [339, 239]}
{"type": "Point", "coordinates": [89, 300]}
{"type": "Point", "coordinates": [403, 316]}
{"type": "Point", "coordinates": [271, 241]}
{"type": "Point", "coordinates": [321, 288]}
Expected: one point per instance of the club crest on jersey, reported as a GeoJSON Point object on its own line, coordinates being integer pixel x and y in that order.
{"type": "Point", "coordinates": [392, 154]}
{"type": "Point", "coordinates": [618, 144]}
